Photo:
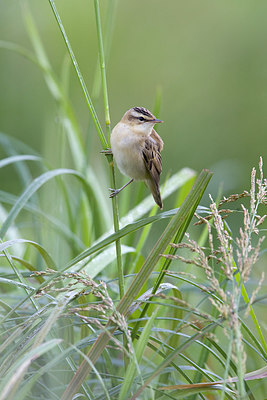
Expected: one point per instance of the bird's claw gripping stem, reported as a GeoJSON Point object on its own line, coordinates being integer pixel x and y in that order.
{"type": "Point", "coordinates": [106, 152]}
{"type": "Point", "coordinates": [113, 192]}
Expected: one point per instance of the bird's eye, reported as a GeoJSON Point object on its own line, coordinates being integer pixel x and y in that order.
{"type": "Point", "coordinates": [141, 119]}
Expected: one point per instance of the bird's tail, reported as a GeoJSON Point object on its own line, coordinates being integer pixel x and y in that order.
{"type": "Point", "coordinates": [154, 187]}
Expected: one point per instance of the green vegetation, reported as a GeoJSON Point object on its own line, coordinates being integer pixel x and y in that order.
{"type": "Point", "coordinates": [112, 299]}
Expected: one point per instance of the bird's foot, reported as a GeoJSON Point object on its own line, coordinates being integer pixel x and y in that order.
{"type": "Point", "coordinates": [113, 192]}
{"type": "Point", "coordinates": [106, 152]}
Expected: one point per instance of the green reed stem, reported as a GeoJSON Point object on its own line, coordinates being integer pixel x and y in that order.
{"type": "Point", "coordinates": [80, 77]}
{"type": "Point", "coordinates": [109, 157]}
{"type": "Point", "coordinates": [102, 68]}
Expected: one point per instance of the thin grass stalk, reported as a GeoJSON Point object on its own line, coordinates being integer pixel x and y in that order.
{"type": "Point", "coordinates": [108, 34]}
{"type": "Point", "coordinates": [239, 351]}
{"type": "Point", "coordinates": [102, 67]}
{"type": "Point", "coordinates": [18, 275]}
{"type": "Point", "coordinates": [109, 157]}
{"type": "Point", "coordinates": [80, 77]}
{"type": "Point", "coordinates": [227, 365]}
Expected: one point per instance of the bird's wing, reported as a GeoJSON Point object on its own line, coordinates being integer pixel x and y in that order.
{"type": "Point", "coordinates": [151, 155]}
{"type": "Point", "coordinates": [152, 160]}
{"type": "Point", "coordinates": [157, 139]}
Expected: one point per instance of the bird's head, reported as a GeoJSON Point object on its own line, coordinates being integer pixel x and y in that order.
{"type": "Point", "coordinates": [140, 119]}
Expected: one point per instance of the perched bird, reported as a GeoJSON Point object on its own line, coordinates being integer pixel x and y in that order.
{"type": "Point", "coordinates": [136, 148]}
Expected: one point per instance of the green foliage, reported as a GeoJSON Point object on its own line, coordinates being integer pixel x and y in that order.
{"type": "Point", "coordinates": [100, 306]}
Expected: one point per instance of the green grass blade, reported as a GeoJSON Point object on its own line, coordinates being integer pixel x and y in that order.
{"type": "Point", "coordinates": [17, 284]}
{"type": "Point", "coordinates": [104, 258]}
{"type": "Point", "coordinates": [251, 312]}
{"type": "Point", "coordinates": [139, 349]}
{"type": "Point", "coordinates": [14, 146]}
{"type": "Point", "coordinates": [14, 159]}
{"type": "Point", "coordinates": [19, 50]}
{"type": "Point", "coordinates": [68, 118]}
{"type": "Point", "coordinates": [55, 223]}
{"type": "Point", "coordinates": [184, 393]}
{"type": "Point", "coordinates": [47, 258]}
{"type": "Point", "coordinates": [31, 189]}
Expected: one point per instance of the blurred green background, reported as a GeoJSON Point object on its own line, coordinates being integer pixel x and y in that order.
{"type": "Point", "coordinates": [208, 58]}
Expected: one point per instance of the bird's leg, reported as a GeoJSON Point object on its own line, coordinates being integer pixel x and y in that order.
{"type": "Point", "coordinates": [114, 192]}
{"type": "Point", "coordinates": [106, 152]}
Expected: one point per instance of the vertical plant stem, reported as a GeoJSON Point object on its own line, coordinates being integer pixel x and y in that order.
{"type": "Point", "coordinates": [227, 366]}
{"type": "Point", "coordinates": [109, 157]}
{"type": "Point", "coordinates": [102, 68]}
{"type": "Point", "coordinates": [80, 77]}
{"type": "Point", "coordinates": [116, 226]}
{"type": "Point", "coordinates": [108, 34]}
{"type": "Point", "coordinates": [239, 348]}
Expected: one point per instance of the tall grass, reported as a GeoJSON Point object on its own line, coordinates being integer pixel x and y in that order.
{"type": "Point", "coordinates": [89, 308]}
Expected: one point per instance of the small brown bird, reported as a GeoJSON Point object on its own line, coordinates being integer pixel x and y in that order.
{"type": "Point", "coordinates": [136, 147]}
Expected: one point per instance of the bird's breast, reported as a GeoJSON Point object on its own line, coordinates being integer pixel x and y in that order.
{"type": "Point", "coordinates": [127, 151]}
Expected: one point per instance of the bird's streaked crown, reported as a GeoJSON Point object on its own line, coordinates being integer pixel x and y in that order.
{"type": "Point", "coordinates": [140, 115]}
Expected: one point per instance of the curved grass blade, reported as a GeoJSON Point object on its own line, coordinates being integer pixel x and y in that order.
{"type": "Point", "coordinates": [14, 159]}
{"type": "Point", "coordinates": [17, 284]}
{"type": "Point", "coordinates": [47, 258]}
{"type": "Point", "coordinates": [55, 223]}
{"type": "Point", "coordinates": [184, 393]}
{"type": "Point", "coordinates": [13, 146]}
{"type": "Point", "coordinates": [31, 189]}
{"type": "Point", "coordinates": [19, 50]}
{"type": "Point", "coordinates": [26, 265]}
{"type": "Point", "coordinates": [258, 374]}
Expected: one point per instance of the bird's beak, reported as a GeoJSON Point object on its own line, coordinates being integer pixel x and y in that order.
{"type": "Point", "coordinates": [156, 121]}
